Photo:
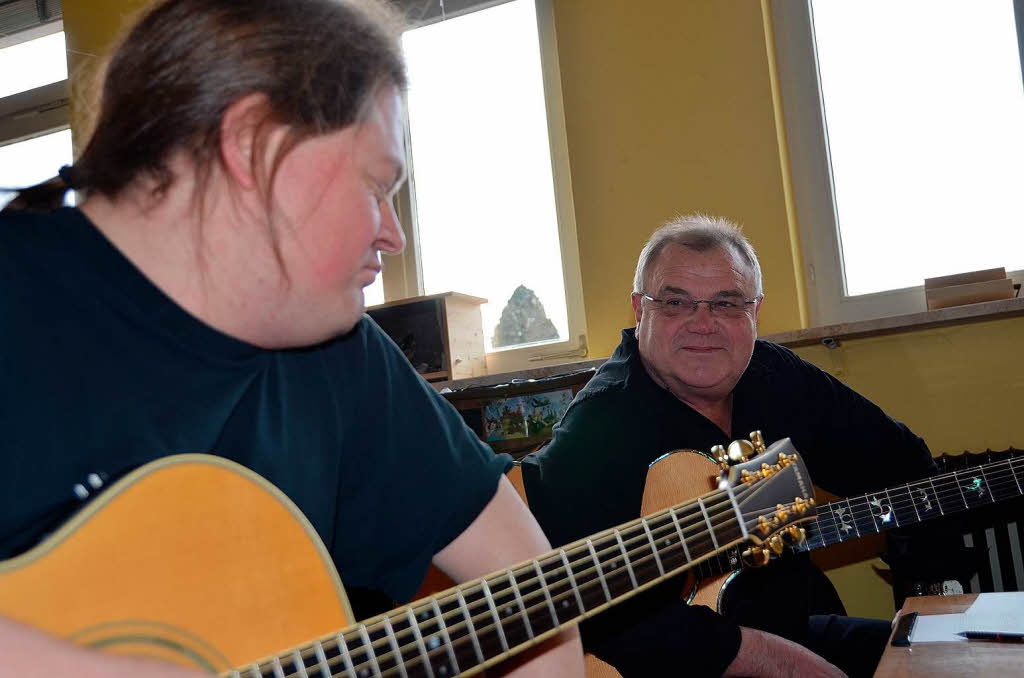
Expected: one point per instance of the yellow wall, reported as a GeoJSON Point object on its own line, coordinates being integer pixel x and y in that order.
{"type": "Point", "coordinates": [90, 26]}
{"type": "Point", "coordinates": [669, 109]}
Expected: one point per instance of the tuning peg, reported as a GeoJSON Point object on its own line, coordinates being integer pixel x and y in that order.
{"type": "Point", "coordinates": [776, 544]}
{"type": "Point", "coordinates": [755, 556]}
{"type": "Point", "coordinates": [719, 455]}
{"type": "Point", "coordinates": [800, 505]}
{"type": "Point", "coordinates": [794, 535]}
{"type": "Point", "coordinates": [758, 440]}
{"type": "Point", "coordinates": [785, 460]}
{"type": "Point", "coordinates": [781, 513]}
{"type": "Point", "coordinates": [740, 450]}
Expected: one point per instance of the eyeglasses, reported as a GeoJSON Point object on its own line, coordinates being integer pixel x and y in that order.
{"type": "Point", "coordinates": [673, 306]}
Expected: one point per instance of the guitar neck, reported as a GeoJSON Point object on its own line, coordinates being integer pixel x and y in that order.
{"type": "Point", "coordinates": [477, 624]}
{"type": "Point", "coordinates": [915, 502]}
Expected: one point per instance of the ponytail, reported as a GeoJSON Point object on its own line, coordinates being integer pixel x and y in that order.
{"type": "Point", "coordinates": [44, 197]}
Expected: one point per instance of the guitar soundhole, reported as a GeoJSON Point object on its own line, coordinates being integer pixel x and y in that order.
{"type": "Point", "coordinates": [156, 640]}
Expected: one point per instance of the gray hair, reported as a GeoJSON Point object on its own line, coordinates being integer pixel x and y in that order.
{"type": "Point", "coordinates": [701, 233]}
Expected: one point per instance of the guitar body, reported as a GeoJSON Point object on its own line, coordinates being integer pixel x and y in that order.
{"type": "Point", "coordinates": [672, 478]}
{"type": "Point", "coordinates": [191, 559]}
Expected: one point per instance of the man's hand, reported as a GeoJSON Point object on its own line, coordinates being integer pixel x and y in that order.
{"type": "Point", "coordinates": [764, 655]}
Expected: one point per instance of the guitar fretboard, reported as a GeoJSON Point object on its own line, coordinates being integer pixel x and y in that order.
{"type": "Point", "coordinates": [482, 622]}
{"type": "Point", "coordinates": [921, 500]}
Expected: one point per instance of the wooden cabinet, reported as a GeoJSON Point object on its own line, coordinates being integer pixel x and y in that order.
{"type": "Point", "coordinates": [441, 334]}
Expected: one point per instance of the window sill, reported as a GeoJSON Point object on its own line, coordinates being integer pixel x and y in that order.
{"type": "Point", "coordinates": [908, 322]}
{"type": "Point", "coordinates": [829, 335]}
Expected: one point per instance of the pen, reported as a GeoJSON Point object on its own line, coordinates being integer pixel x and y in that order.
{"type": "Point", "coordinates": [995, 637]}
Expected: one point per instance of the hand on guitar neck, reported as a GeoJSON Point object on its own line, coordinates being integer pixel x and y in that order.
{"type": "Point", "coordinates": [764, 655]}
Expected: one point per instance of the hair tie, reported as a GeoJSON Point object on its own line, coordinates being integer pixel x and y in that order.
{"type": "Point", "coordinates": [67, 174]}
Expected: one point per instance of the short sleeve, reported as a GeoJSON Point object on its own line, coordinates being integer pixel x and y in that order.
{"type": "Point", "coordinates": [416, 476]}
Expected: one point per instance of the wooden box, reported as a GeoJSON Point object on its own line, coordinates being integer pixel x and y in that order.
{"type": "Point", "coordinates": [967, 288]}
{"type": "Point", "coordinates": [441, 334]}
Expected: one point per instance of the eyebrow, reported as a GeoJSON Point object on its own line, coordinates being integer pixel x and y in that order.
{"type": "Point", "coordinates": [723, 294]}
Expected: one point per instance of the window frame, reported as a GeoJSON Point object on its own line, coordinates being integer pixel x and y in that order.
{"type": "Point", "coordinates": [403, 275]}
{"type": "Point", "coordinates": [810, 168]}
{"type": "Point", "coordinates": [39, 111]}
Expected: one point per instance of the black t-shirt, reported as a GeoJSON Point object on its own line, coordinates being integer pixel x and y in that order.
{"type": "Point", "coordinates": [101, 372]}
{"type": "Point", "coordinates": [622, 421]}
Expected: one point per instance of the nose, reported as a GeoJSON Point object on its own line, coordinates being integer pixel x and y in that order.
{"type": "Point", "coordinates": [391, 238]}
{"type": "Point", "coordinates": [701, 321]}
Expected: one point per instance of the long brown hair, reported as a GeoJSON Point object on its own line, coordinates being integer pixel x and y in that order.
{"type": "Point", "coordinates": [184, 62]}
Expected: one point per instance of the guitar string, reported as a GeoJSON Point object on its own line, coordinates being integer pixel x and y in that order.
{"type": "Point", "coordinates": [587, 587]}
{"type": "Point", "coordinates": [565, 594]}
{"type": "Point", "coordinates": [950, 487]}
{"type": "Point", "coordinates": [663, 528]}
{"type": "Point", "coordinates": [941, 487]}
{"type": "Point", "coordinates": [460, 641]}
{"type": "Point", "coordinates": [696, 519]}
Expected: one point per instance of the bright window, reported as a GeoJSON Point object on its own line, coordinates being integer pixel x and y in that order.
{"type": "Point", "coordinates": [32, 64]}
{"type": "Point", "coordinates": [924, 111]}
{"type": "Point", "coordinates": [29, 162]}
{"type": "Point", "coordinates": [482, 182]}
{"type": "Point", "coordinates": [34, 139]}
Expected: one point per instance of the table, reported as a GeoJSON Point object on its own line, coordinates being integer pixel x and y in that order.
{"type": "Point", "coordinates": [952, 659]}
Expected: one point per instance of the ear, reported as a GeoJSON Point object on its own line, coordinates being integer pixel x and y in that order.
{"type": "Point", "coordinates": [239, 132]}
{"type": "Point", "coordinates": [638, 309]}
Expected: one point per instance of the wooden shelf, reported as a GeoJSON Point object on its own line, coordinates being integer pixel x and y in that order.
{"type": "Point", "coordinates": [441, 334]}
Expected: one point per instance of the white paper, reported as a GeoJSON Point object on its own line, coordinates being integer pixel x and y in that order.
{"type": "Point", "coordinates": [990, 612]}
{"type": "Point", "coordinates": [996, 613]}
{"type": "Point", "coordinates": [934, 628]}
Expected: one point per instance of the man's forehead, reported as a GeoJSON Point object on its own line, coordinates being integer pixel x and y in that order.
{"type": "Point", "coordinates": [678, 264]}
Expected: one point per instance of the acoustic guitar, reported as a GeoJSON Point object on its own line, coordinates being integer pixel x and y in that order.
{"type": "Point", "coordinates": [687, 473]}
{"type": "Point", "coordinates": [234, 580]}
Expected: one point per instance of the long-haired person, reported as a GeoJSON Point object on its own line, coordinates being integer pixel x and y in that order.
{"type": "Point", "coordinates": [207, 296]}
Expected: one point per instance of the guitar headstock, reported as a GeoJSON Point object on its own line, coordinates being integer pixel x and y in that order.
{"type": "Point", "coordinates": [772, 491]}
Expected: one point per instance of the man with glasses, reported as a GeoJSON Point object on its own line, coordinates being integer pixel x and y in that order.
{"type": "Point", "coordinates": [690, 375]}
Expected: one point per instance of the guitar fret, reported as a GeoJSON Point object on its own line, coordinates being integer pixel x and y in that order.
{"type": "Point", "coordinates": [913, 502]}
{"type": "Point", "coordinates": [420, 645]}
{"type": "Point", "coordinates": [300, 664]}
{"type": "Point", "coordinates": [654, 547]}
{"type": "Point", "coordinates": [1013, 473]}
{"type": "Point", "coordinates": [682, 537]}
{"type": "Point", "coordinates": [522, 605]}
{"type": "Point", "coordinates": [600, 572]}
{"type": "Point", "coordinates": [736, 508]}
{"type": "Point", "coordinates": [625, 558]}
{"type": "Point", "coordinates": [547, 594]}
{"type": "Point", "coordinates": [469, 625]}
{"type": "Point", "coordinates": [937, 498]}
{"type": "Point", "coordinates": [572, 580]}
{"type": "Point", "coordinates": [345, 658]}
{"type": "Point", "coordinates": [494, 614]}
{"type": "Point", "coordinates": [371, 654]}
{"type": "Point", "coordinates": [393, 642]}
{"type": "Point", "coordinates": [321, 659]}
{"type": "Point", "coordinates": [892, 508]}
{"type": "Point", "coordinates": [956, 481]}
{"type": "Point", "coordinates": [707, 520]}
{"type": "Point", "coordinates": [449, 648]}
{"type": "Point", "coordinates": [853, 518]}
{"type": "Point", "coordinates": [277, 668]}
{"type": "Point", "coordinates": [984, 478]}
